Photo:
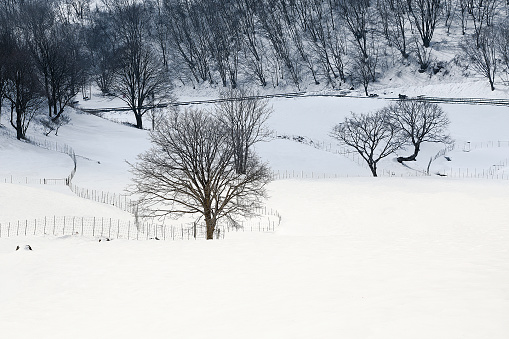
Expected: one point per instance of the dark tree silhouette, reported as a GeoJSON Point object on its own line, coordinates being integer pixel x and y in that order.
{"type": "Point", "coordinates": [418, 122]}
{"type": "Point", "coordinates": [371, 135]}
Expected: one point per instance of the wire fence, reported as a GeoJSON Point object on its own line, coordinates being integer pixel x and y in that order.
{"type": "Point", "coordinates": [108, 228]}
{"type": "Point", "coordinates": [491, 173]}
{"type": "Point", "coordinates": [51, 146]}
{"type": "Point", "coordinates": [33, 181]}
{"type": "Point", "coordinates": [121, 201]}
{"type": "Point", "coordinates": [469, 146]}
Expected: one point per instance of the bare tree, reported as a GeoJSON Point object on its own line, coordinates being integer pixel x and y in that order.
{"type": "Point", "coordinates": [371, 135]}
{"type": "Point", "coordinates": [274, 19]}
{"type": "Point", "coordinates": [3, 69]}
{"type": "Point", "coordinates": [103, 44]}
{"type": "Point", "coordinates": [243, 115]}
{"type": "Point", "coordinates": [423, 54]}
{"type": "Point", "coordinates": [190, 171]}
{"type": "Point", "coordinates": [394, 19]}
{"type": "Point", "coordinates": [56, 51]}
{"type": "Point", "coordinates": [418, 122]}
{"type": "Point", "coordinates": [254, 45]}
{"type": "Point", "coordinates": [358, 17]}
{"type": "Point", "coordinates": [449, 11]}
{"type": "Point", "coordinates": [138, 78]}
{"type": "Point", "coordinates": [503, 45]}
{"type": "Point", "coordinates": [189, 37]}
{"type": "Point", "coordinates": [481, 53]}
{"type": "Point", "coordinates": [222, 21]}
{"type": "Point", "coordinates": [463, 14]}
{"type": "Point", "coordinates": [53, 125]}
{"type": "Point", "coordinates": [23, 89]}
{"type": "Point", "coordinates": [139, 74]}
{"type": "Point", "coordinates": [424, 15]}
{"type": "Point", "coordinates": [482, 13]}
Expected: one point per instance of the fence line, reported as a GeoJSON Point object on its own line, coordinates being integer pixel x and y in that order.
{"type": "Point", "coordinates": [469, 146]}
{"type": "Point", "coordinates": [474, 173]}
{"type": "Point", "coordinates": [118, 200]}
{"type": "Point", "coordinates": [121, 229]}
{"type": "Point", "coordinates": [49, 145]}
{"type": "Point", "coordinates": [328, 147]}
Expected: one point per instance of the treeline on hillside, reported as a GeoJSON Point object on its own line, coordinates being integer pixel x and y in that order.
{"type": "Point", "coordinates": [50, 50]}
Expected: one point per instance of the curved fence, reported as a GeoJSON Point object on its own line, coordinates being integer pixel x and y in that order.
{"type": "Point", "coordinates": [51, 146]}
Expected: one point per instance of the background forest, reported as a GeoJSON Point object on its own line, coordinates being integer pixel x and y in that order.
{"type": "Point", "coordinates": [138, 50]}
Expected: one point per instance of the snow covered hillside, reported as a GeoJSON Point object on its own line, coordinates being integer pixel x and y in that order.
{"type": "Point", "coordinates": [400, 256]}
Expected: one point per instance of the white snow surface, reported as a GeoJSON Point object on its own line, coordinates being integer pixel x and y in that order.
{"type": "Point", "coordinates": [399, 256]}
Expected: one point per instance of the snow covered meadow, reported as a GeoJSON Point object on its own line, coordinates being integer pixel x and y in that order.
{"type": "Point", "coordinates": [400, 256]}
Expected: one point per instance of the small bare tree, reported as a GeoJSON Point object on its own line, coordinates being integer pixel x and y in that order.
{"type": "Point", "coordinates": [243, 115]}
{"type": "Point", "coordinates": [481, 53]}
{"type": "Point", "coordinates": [419, 122]}
{"type": "Point", "coordinates": [53, 124]}
{"type": "Point", "coordinates": [423, 54]}
{"type": "Point", "coordinates": [190, 170]}
{"type": "Point", "coordinates": [371, 135]}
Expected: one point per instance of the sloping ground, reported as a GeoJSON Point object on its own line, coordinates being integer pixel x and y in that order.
{"type": "Point", "coordinates": [413, 258]}
{"type": "Point", "coordinates": [421, 257]}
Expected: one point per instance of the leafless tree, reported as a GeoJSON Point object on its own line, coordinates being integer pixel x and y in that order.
{"type": "Point", "coordinates": [369, 134]}
{"type": "Point", "coordinates": [503, 45]}
{"type": "Point", "coordinates": [274, 19]}
{"type": "Point", "coordinates": [463, 14]}
{"type": "Point", "coordinates": [481, 53]}
{"type": "Point", "coordinates": [189, 37]}
{"type": "Point", "coordinates": [22, 89]}
{"type": "Point", "coordinates": [56, 51]}
{"type": "Point", "coordinates": [190, 171]}
{"type": "Point", "coordinates": [244, 117]}
{"type": "Point", "coordinates": [482, 13]}
{"type": "Point", "coordinates": [424, 15]}
{"type": "Point", "coordinates": [254, 45]}
{"type": "Point", "coordinates": [53, 124]}
{"type": "Point", "coordinates": [418, 122]}
{"type": "Point", "coordinates": [359, 17]}
{"type": "Point", "coordinates": [3, 69]}
{"type": "Point", "coordinates": [423, 54]}
{"type": "Point", "coordinates": [102, 43]}
{"type": "Point", "coordinates": [222, 22]}
{"type": "Point", "coordinates": [321, 31]}
{"type": "Point", "coordinates": [394, 19]}
{"type": "Point", "coordinates": [139, 74]}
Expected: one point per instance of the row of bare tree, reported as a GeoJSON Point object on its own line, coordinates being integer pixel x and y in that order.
{"type": "Point", "coordinates": [135, 49]}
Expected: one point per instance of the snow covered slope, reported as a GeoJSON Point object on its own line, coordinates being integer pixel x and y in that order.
{"type": "Point", "coordinates": [401, 256]}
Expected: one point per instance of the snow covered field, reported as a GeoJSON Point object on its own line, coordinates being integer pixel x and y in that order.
{"type": "Point", "coordinates": [400, 256]}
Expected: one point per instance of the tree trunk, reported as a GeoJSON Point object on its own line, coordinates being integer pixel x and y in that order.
{"type": "Point", "coordinates": [139, 121]}
{"type": "Point", "coordinates": [19, 126]}
{"type": "Point", "coordinates": [412, 157]}
{"type": "Point", "coordinates": [372, 167]}
{"type": "Point", "coordinates": [211, 226]}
